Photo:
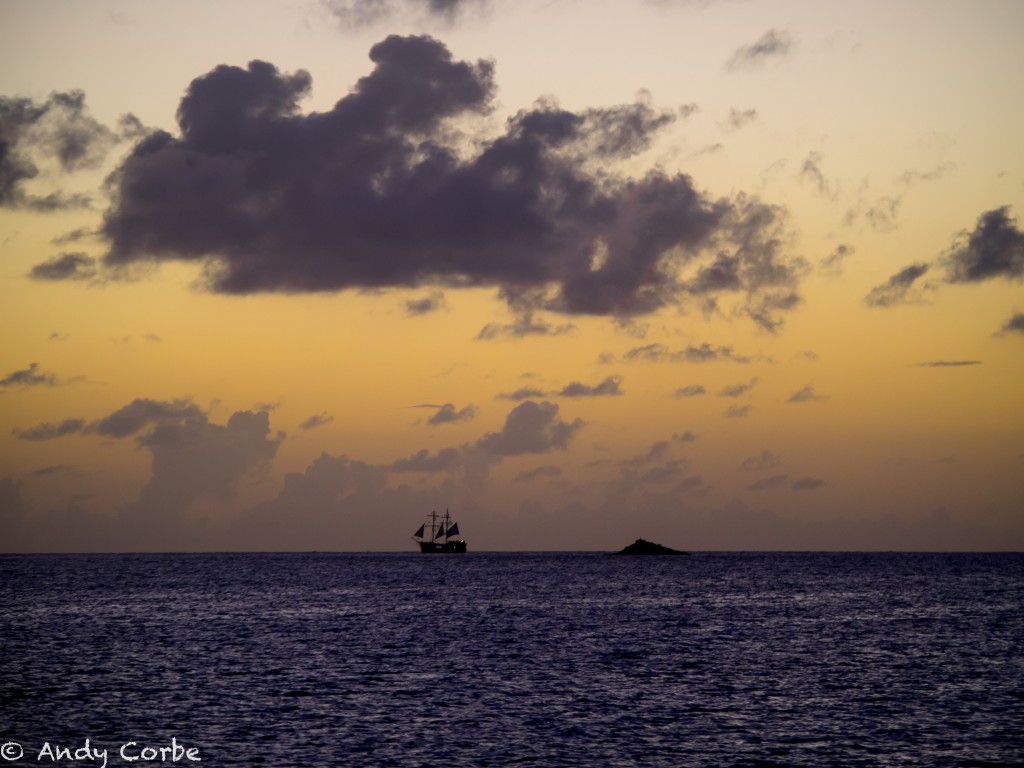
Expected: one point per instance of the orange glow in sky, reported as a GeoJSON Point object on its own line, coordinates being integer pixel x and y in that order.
{"type": "Point", "coordinates": [722, 275]}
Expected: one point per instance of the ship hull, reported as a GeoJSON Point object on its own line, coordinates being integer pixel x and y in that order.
{"type": "Point", "coordinates": [446, 548]}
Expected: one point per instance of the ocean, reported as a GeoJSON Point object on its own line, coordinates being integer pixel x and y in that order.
{"type": "Point", "coordinates": [502, 659]}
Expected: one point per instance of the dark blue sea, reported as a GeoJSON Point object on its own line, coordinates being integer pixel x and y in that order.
{"type": "Point", "coordinates": [575, 659]}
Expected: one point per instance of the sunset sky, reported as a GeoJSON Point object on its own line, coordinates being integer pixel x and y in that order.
{"type": "Point", "coordinates": [721, 274]}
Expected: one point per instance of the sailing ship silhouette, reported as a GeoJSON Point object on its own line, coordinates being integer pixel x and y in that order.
{"type": "Point", "coordinates": [437, 535]}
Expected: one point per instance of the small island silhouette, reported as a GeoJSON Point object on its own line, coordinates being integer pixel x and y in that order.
{"type": "Point", "coordinates": [644, 547]}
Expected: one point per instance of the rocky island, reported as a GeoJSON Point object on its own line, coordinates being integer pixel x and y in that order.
{"type": "Point", "coordinates": [644, 547]}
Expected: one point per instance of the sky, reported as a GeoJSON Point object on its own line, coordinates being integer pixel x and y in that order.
{"type": "Point", "coordinates": [721, 274]}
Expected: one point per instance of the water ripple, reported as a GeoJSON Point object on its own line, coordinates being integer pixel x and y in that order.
{"type": "Point", "coordinates": [535, 659]}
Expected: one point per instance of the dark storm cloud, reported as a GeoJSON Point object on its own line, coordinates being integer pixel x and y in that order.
{"type": "Point", "coordinates": [705, 353]}
{"type": "Point", "coordinates": [763, 460]}
{"type": "Point", "coordinates": [191, 456]}
{"type": "Point", "coordinates": [361, 13]}
{"type": "Point", "coordinates": [48, 431]}
{"type": "Point", "coordinates": [82, 233]}
{"type": "Point", "coordinates": [772, 44]}
{"type": "Point", "coordinates": [317, 420]}
{"type": "Point", "coordinates": [995, 248]}
{"type": "Point", "coordinates": [422, 306]}
{"type": "Point", "coordinates": [333, 502]}
{"type": "Point", "coordinates": [30, 377]}
{"type": "Point", "coordinates": [737, 412]}
{"type": "Point", "coordinates": [165, 420]}
{"type": "Point", "coordinates": [58, 130]}
{"type": "Point", "coordinates": [152, 422]}
{"type": "Point", "coordinates": [768, 483]}
{"type": "Point", "coordinates": [66, 266]}
{"type": "Point", "coordinates": [722, 274]}
{"type": "Point", "coordinates": [523, 393]}
{"type": "Point", "coordinates": [654, 467]}
{"type": "Point", "coordinates": [372, 194]}
{"type": "Point", "coordinates": [1014, 325]}
{"type": "Point", "coordinates": [897, 289]}
{"type": "Point", "coordinates": [525, 325]}
{"type": "Point", "coordinates": [737, 390]}
{"type": "Point", "coordinates": [653, 353]}
{"type": "Point", "coordinates": [833, 263]}
{"type": "Point", "coordinates": [610, 387]}
{"type": "Point", "coordinates": [51, 203]}
{"type": "Point", "coordinates": [690, 391]}
{"type": "Point", "coordinates": [807, 484]}
{"type": "Point", "coordinates": [805, 395]}
{"type": "Point", "coordinates": [749, 263]}
{"type": "Point", "coordinates": [710, 149]}
{"type": "Point", "coordinates": [622, 131]}
{"type": "Point", "coordinates": [131, 128]}
{"type": "Point", "coordinates": [444, 460]}
{"type": "Point", "coordinates": [447, 414]}
{"type": "Point", "coordinates": [948, 363]}
{"type": "Point", "coordinates": [765, 310]}
{"type": "Point", "coordinates": [530, 428]}
{"type": "Point", "coordinates": [655, 453]}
